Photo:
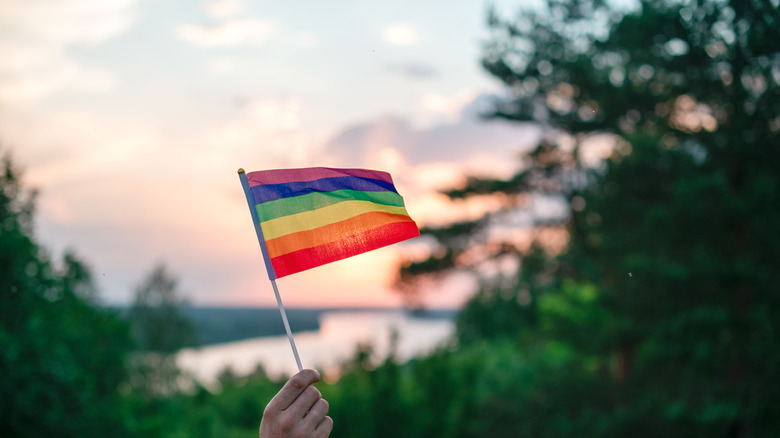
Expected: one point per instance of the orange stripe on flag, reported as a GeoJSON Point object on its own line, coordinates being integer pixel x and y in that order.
{"type": "Point", "coordinates": [332, 232]}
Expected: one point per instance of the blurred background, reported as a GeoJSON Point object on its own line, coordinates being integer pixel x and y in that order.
{"type": "Point", "coordinates": [596, 184]}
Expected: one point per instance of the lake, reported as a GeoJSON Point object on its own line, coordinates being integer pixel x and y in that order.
{"type": "Point", "coordinates": [336, 341]}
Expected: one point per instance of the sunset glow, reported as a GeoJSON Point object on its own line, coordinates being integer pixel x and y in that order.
{"type": "Point", "coordinates": [132, 117]}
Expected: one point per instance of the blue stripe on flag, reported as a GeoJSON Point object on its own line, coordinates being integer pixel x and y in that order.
{"type": "Point", "coordinates": [270, 192]}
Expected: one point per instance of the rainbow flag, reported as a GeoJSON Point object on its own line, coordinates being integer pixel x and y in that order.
{"type": "Point", "coordinates": [313, 216]}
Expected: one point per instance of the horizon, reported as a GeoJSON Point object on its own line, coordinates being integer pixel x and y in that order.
{"type": "Point", "coordinates": [317, 309]}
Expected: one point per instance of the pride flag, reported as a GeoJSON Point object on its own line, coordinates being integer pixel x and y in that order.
{"type": "Point", "coordinates": [312, 216]}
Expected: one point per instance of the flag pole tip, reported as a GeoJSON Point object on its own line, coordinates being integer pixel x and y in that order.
{"type": "Point", "coordinates": [240, 170]}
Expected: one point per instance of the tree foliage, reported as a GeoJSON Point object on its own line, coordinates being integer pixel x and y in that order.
{"type": "Point", "coordinates": [158, 323]}
{"type": "Point", "coordinates": [160, 330]}
{"type": "Point", "coordinates": [658, 316]}
{"type": "Point", "coordinates": [662, 139]}
{"type": "Point", "coordinates": [62, 359]}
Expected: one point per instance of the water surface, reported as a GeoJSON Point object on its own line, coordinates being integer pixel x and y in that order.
{"type": "Point", "coordinates": [335, 342]}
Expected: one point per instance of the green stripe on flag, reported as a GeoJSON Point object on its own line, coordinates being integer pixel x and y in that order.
{"type": "Point", "coordinates": [312, 201]}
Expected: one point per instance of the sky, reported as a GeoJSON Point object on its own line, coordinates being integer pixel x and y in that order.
{"type": "Point", "coordinates": [131, 118]}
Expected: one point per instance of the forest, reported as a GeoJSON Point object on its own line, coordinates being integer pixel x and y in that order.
{"type": "Point", "coordinates": [649, 307]}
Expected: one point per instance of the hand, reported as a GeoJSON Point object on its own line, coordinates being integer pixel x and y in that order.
{"type": "Point", "coordinates": [297, 410]}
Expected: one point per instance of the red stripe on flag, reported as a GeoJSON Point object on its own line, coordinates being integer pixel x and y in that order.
{"type": "Point", "coordinates": [283, 176]}
{"type": "Point", "coordinates": [363, 242]}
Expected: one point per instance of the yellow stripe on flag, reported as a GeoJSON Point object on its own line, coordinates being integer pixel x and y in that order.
{"type": "Point", "coordinates": [311, 219]}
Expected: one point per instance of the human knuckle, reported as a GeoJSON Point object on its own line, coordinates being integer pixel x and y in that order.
{"type": "Point", "coordinates": [324, 403]}
{"type": "Point", "coordinates": [297, 383]}
{"type": "Point", "coordinates": [314, 392]}
{"type": "Point", "coordinates": [286, 424]}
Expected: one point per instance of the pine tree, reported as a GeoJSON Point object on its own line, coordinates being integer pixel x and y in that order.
{"type": "Point", "coordinates": [662, 138]}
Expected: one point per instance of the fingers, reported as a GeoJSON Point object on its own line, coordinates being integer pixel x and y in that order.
{"type": "Point", "coordinates": [316, 413]}
{"type": "Point", "coordinates": [324, 428]}
{"type": "Point", "coordinates": [303, 404]}
{"type": "Point", "coordinates": [293, 389]}
{"type": "Point", "coordinates": [317, 421]}
{"type": "Point", "coordinates": [298, 409]}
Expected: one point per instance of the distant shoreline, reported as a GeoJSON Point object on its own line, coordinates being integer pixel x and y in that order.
{"type": "Point", "coordinates": [342, 334]}
{"type": "Point", "coordinates": [221, 324]}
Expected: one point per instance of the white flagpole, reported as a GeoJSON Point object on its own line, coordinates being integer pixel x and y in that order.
{"type": "Point", "coordinates": [268, 266]}
{"type": "Point", "coordinates": [286, 325]}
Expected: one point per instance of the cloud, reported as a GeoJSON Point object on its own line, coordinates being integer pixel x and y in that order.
{"type": "Point", "coordinates": [449, 108]}
{"type": "Point", "coordinates": [306, 40]}
{"type": "Point", "coordinates": [401, 34]}
{"type": "Point", "coordinates": [223, 8]}
{"type": "Point", "coordinates": [413, 70]}
{"type": "Point", "coordinates": [37, 36]}
{"type": "Point", "coordinates": [267, 130]}
{"type": "Point", "coordinates": [56, 74]}
{"type": "Point", "coordinates": [67, 21]}
{"type": "Point", "coordinates": [126, 196]}
{"type": "Point", "coordinates": [68, 134]}
{"type": "Point", "coordinates": [223, 64]}
{"type": "Point", "coordinates": [424, 160]}
{"type": "Point", "coordinates": [458, 140]}
{"type": "Point", "coordinates": [233, 33]}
